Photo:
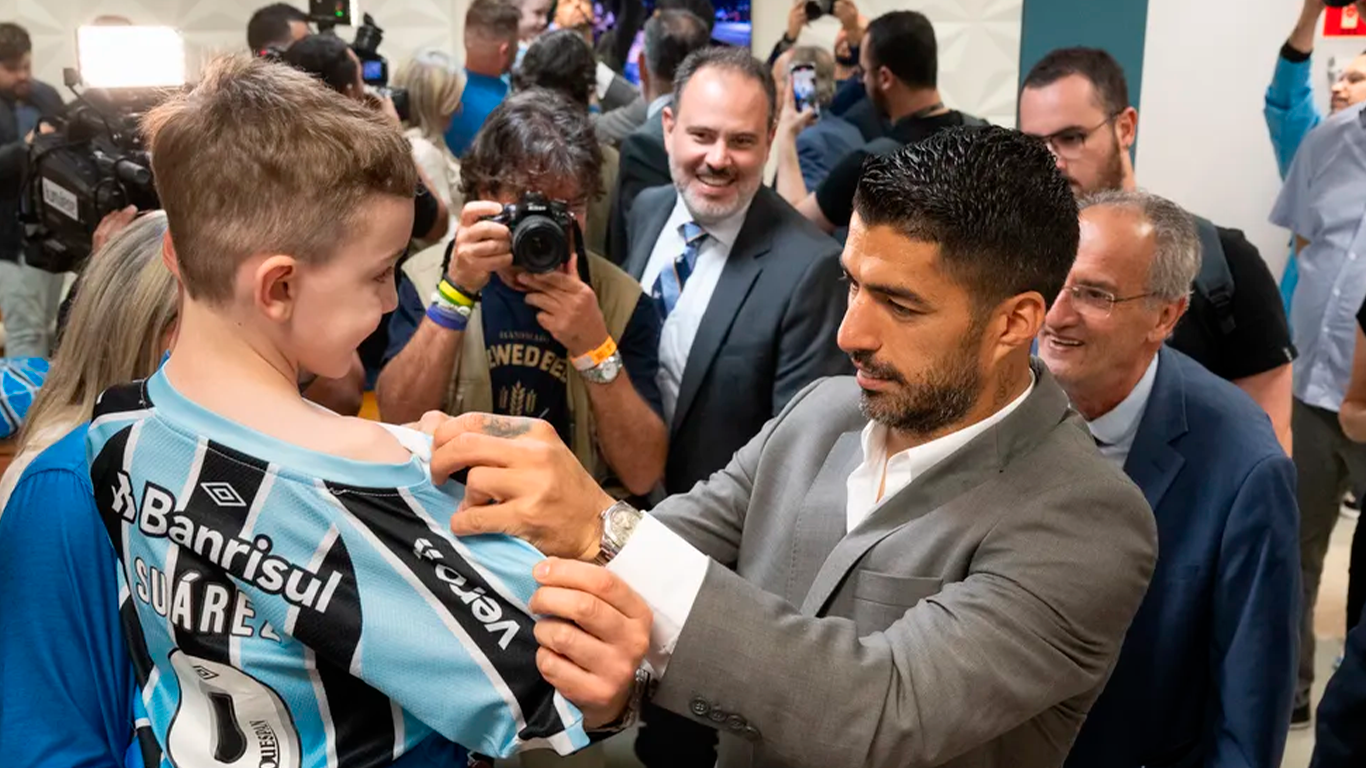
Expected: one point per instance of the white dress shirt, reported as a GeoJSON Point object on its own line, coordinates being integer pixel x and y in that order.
{"type": "Point", "coordinates": [675, 340]}
{"type": "Point", "coordinates": [667, 572]}
{"type": "Point", "coordinates": [1115, 431]}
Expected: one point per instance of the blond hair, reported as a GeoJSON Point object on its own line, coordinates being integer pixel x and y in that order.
{"type": "Point", "coordinates": [435, 85]}
{"type": "Point", "coordinates": [124, 307]}
{"type": "Point", "coordinates": [262, 158]}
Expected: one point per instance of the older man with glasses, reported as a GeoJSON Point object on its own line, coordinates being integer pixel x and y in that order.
{"type": "Point", "coordinates": [1077, 101]}
{"type": "Point", "coordinates": [1207, 672]}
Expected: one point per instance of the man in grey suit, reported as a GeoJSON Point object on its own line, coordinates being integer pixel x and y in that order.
{"type": "Point", "coordinates": [670, 36]}
{"type": "Point", "coordinates": [927, 564]}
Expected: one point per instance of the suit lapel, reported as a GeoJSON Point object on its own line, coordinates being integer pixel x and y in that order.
{"type": "Point", "coordinates": [820, 521]}
{"type": "Point", "coordinates": [649, 236]}
{"type": "Point", "coordinates": [969, 467]}
{"type": "Point", "coordinates": [737, 277]}
{"type": "Point", "coordinates": [1153, 463]}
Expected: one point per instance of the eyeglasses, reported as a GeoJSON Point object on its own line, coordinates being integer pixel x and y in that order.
{"type": "Point", "coordinates": [1096, 302]}
{"type": "Point", "coordinates": [1069, 142]}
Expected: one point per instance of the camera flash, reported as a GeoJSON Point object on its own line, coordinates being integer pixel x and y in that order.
{"type": "Point", "coordinates": [130, 57]}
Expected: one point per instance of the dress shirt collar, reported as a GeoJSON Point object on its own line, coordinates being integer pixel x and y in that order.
{"type": "Point", "coordinates": [913, 462]}
{"type": "Point", "coordinates": [657, 105]}
{"type": "Point", "coordinates": [724, 232]}
{"type": "Point", "coordinates": [1120, 425]}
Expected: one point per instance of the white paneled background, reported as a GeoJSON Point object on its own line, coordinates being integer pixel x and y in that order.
{"type": "Point", "coordinates": [215, 26]}
{"type": "Point", "coordinates": [979, 46]}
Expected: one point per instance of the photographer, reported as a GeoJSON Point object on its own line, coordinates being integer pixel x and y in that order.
{"type": "Point", "coordinates": [812, 140]}
{"type": "Point", "coordinates": [28, 296]}
{"type": "Point", "coordinates": [532, 344]}
{"type": "Point", "coordinates": [275, 27]}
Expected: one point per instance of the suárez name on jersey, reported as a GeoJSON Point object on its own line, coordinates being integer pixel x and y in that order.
{"type": "Point", "coordinates": [249, 561]}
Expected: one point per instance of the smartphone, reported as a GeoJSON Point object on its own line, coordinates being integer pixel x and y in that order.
{"type": "Point", "coordinates": [803, 79]}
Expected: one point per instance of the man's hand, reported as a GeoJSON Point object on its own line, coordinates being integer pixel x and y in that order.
{"type": "Point", "coordinates": [796, 19]}
{"type": "Point", "coordinates": [113, 223]}
{"type": "Point", "coordinates": [568, 308]}
{"type": "Point", "coordinates": [593, 643]}
{"type": "Point", "coordinates": [481, 247]}
{"type": "Point", "coordinates": [847, 13]}
{"type": "Point", "coordinates": [522, 481]}
{"type": "Point", "coordinates": [42, 129]}
{"type": "Point", "coordinates": [792, 122]}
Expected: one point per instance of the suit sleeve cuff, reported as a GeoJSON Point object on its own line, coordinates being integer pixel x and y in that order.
{"type": "Point", "coordinates": [667, 572]}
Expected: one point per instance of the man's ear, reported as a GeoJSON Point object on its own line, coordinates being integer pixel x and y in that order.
{"type": "Point", "coordinates": [168, 255]}
{"type": "Point", "coordinates": [273, 287]}
{"type": "Point", "coordinates": [1016, 323]}
{"type": "Point", "coordinates": [1126, 128]}
{"type": "Point", "coordinates": [1172, 313]}
{"type": "Point", "coordinates": [668, 119]}
{"type": "Point", "coordinates": [885, 79]}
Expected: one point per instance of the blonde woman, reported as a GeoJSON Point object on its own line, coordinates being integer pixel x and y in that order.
{"type": "Point", "coordinates": [67, 675]}
{"type": "Point", "coordinates": [435, 84]}
{"type": "Point", "coordinates": [119, 328]}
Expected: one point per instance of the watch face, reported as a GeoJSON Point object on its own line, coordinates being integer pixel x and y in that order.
{"type": "Point", "coordinates": [606, 372]}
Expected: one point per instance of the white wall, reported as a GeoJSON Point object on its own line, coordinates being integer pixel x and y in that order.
{"type": "Point", "coordinates": [214, 26]}
{"type": "Point", "coordinates": [979, 46]}
{"type": "Point", "coordinates": [1202, 138]}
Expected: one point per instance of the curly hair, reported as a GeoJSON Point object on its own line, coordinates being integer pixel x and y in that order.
{"type": "Point", "coordinates": [533, 140]}
{"type": "Point", "coordinates": [559, 61]}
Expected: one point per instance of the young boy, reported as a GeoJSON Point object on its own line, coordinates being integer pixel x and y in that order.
{"type": "Point", "coordinates": [294, 597]}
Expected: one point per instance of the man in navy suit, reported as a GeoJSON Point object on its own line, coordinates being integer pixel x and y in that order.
{"type": "Point", "coordinates": [1207, 672]}
{"type": "Point", "coordinates": [1340, 741]}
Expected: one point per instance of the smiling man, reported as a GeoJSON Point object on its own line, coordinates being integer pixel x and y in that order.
{"type": "Point", "coordinates": [924, 565]}
{"type": "Point", "coordinates": [1225, 597]}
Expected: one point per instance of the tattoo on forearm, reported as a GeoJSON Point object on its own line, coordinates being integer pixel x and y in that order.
{"type": "Point", "coordinates": [506, 426]}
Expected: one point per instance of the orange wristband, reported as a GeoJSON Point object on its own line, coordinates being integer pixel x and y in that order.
{"type": "Point", "coordinates": [596, 357]}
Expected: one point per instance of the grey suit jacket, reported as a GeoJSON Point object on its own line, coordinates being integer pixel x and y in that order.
{"type": "Point", "coordinates": [768, 331]}
{"type": "Point", "coordinates": [614, 125]}
{"type": "Point", "coordinates": [970, 621]}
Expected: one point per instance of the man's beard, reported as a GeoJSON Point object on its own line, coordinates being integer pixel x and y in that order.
{"type": "Point", "coordinates": [706, 211]}
{"type": "Point", "coordinates": [1111, 175]}
{"type": "Point", "coordinates": [944, 394]}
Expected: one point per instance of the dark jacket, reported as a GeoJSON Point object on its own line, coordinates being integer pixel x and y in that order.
{"type": "Point", "coordinates": [644, 164]}
{"type": "Point", "coordinates": [1340, 740]}
{"type": "Point", "coordinates": [1207, 672]}
{"type": "Point", "coordinates": [768, 331]}
{"type": "Point", "coordinates": [14, 164]}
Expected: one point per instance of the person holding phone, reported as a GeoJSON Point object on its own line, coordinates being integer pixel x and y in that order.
{"type": "Point", "coordinates": [810, 139]}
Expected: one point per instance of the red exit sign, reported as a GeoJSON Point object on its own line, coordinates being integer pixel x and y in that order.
{"type": "Point", "coordinates": [1344, 22]}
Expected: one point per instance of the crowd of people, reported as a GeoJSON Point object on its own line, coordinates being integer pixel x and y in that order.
{"type": "Point", "coordinates": [776, 431]}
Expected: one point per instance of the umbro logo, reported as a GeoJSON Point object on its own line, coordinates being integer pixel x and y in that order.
{"type": "Point", "coordinates": [223, 494]}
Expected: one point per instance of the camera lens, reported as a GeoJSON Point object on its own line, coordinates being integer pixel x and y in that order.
{"type": "Point", "coordinates": [539, 245]}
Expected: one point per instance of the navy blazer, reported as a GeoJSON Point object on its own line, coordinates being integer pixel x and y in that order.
{"type": "Point", "coordinates": [1207, 672]}
{"type": "Point", "coordinates": [1340, 740]}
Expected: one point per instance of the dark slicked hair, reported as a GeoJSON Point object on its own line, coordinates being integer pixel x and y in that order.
{"type": "Point", "coordinates": [702, 9]}
{"type": "Point", "coordinates": [559, 61]}
{"type": "Point", "coordinates": [1094, 64]}
{"type": "Point", "coordinates": [534, 139]}
{"type": "Point", "coordinates": [269, 26]}
{"type": "Point", "coordinates": [737, 60]}
{"type": "Point", "coordinates": [904, 43]}
{"type": "Point", "coordinates": [14, 42]}
{"type": "Point", "coordinates": [324, 57]}
{"type": "Point", "coordinates": [670, 36]}
{"type": "Point", "coordinates": [992, 199]}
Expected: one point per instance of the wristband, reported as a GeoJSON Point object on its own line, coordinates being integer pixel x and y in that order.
{"type": "Point", "coordinates": [447, 318]}
{"type": "Point", "coordinates": [596, 357]}
{"type": "Point", "coordinates": [454, 295]}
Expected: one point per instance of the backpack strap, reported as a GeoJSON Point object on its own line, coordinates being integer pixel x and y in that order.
{"type": "Point", "coordinates": [1215, 281]}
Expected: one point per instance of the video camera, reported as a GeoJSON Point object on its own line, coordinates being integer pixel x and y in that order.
{"type": "Point", "coordinates": [327, 15]}
{"type": "Point", "coordinates": [95, 163]}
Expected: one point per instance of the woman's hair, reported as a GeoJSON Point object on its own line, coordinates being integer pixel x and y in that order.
{"type": "Point", "coordinates": [324, 57]}
{"type": "Point", "coordinates": [435, 85]}
{"type": "Point", "coordinates": [125, 304]}
{"type": "Point", "coordinates": [559, 61]}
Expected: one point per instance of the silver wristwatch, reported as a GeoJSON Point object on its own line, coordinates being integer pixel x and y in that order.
{"type": "Point", "coordinates": [605, 372]}
{"type": "Point", "coordinates": [618, 523]}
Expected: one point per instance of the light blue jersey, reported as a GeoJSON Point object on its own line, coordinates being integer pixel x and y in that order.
{"type": "Point", "coordinates": [294, 609]}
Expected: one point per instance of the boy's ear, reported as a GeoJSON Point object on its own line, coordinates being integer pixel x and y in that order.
{"type": "Point", "coordinates": [273, 287]}
{"type": "Point", "coordinates": [168, 256]}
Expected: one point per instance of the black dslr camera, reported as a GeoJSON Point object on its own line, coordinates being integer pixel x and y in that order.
{"type": "Point", "coordinates": [540, 232]}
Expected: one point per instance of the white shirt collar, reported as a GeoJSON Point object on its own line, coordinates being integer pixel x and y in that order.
{"type": "Point", "coordinates": [725, 231]}
{"type": "Point", "coordinates": [659, 103]}
{"type": "Point", "coordinates": [1120, 425]}
{"type": "Point", "coordinates": [892, 474]}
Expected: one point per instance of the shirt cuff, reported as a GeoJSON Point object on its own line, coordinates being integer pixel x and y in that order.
{"type": "Point", "coordinates": [667, 572]}
{"type": "Point", "coordinates": [1290, 54]}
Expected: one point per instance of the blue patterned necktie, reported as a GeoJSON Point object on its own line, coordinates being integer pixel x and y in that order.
{"type": "Point", "coordinates": [669, 284]}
